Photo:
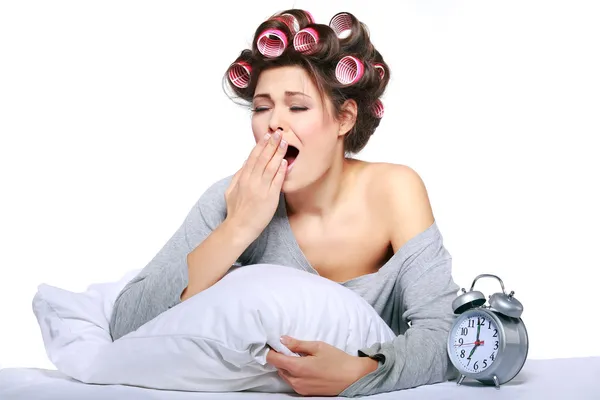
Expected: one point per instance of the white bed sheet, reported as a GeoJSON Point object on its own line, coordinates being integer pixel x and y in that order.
{"type": "Point", "coordinates": [571, 378]}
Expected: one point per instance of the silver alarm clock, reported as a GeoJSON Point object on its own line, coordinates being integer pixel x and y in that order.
{"type": "Point", "coordinates": [488, 343]}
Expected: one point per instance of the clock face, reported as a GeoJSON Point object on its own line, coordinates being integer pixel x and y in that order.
{"type": "Point", "coordinates": [474, 342]}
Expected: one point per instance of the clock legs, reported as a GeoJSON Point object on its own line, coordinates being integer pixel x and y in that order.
{"type": "Point", "coordinates": [496, 382]}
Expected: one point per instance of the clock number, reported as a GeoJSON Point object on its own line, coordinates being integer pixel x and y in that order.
{"type": "Point", "coordinates": [492, 357]}
{"type": "Point", "coordinates": [490, 324]}
{"type": "Point", "coordinates": [475, 366]}
{"type": "Point", "coordinates": [484, 363]}
{"type": "Point", "coordinates": [471, 323]}
{"type": "Point", "coordinates": [495, 332]}
{"type": "Point", "coordinates": [462, 354]}
{"type": "Point", "coordinates": [481, 321]}
{"type": "Point", "coordinates": [464, 331]}
{"type": "Point", "coordinates": [496, 345]}
{"type": "Point", "coordinates": [460, 341]}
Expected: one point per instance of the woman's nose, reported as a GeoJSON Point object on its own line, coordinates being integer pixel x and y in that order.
{"type": "Point", "coordinates": [276, 122]}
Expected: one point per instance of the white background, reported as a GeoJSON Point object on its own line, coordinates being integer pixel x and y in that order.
{"type": "Point", "coordinates": [113, 122]}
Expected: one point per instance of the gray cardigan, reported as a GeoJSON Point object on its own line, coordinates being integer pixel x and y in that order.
{"type": "Point", "coordinates": [412, 292]}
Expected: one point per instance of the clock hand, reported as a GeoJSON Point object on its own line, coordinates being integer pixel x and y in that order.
{"type": "Point", "coordinates": [480, 343]}
{"type": "Point", "coordinates": [478, 330]}
{"type": "Point", "coordinates": [472, 351]}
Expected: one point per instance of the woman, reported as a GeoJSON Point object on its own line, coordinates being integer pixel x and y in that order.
{"type": "Point", "coordinates": [300, 200]}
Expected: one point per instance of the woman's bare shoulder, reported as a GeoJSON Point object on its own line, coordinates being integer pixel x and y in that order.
{"type": "Point", "coordinates": [401, 195]}
{"type": "Point", "coordinates": [387, 179]}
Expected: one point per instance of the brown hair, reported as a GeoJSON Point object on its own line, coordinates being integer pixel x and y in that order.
{"type": "Point", "coordinates": [284, 46]}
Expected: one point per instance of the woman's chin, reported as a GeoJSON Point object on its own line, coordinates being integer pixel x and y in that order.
{"type": "Point", "coordinates": [289, 184]}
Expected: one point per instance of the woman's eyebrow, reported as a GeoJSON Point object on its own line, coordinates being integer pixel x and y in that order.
{"type": "Point", "coordinates": [263, 95]}
{"type": "Point", "coordinates": [287, 93]}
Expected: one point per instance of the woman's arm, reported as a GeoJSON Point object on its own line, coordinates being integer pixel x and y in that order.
{"type": "Point", "coordinates": [211, 260]}
{"type": "Point", "coordinates": [161, 284]}
{"type": "Point", "coordinates": [427, 289]}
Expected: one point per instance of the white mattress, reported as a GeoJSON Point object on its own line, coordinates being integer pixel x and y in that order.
{"type": "Point", "coordinates": [573, 378]}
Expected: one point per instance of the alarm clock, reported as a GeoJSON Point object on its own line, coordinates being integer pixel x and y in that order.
{"type": "Point", "coordinates": [487, 343]}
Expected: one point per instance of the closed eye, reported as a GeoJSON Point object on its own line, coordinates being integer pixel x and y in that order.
{"type": "Point", "coordinates": [294, 109]}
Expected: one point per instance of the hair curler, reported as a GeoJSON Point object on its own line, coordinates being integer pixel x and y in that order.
{"type": "Point", "coordinates": [377, 109]}
{"type": "Point", "coordinates": [380, 70]}
{"type": "Point", "coordinates": [272, 43]}
{"type": "Point", "coordinates": [239, 74]}
{"type": "Point", "coordinates": [310, 17]}
{"type": "Point", "coordinates": [341, 24]}
{"type": "Point", "coordinates": [349, 70]}
{"type": "Point", "coordinates": [305, 41]}
{"type": "Point", "coordinates": [291, 22]}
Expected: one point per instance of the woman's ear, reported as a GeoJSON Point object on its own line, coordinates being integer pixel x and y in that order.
{"type": "Point", "coordinates": [348, 117]}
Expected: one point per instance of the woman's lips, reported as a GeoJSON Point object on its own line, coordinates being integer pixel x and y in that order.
{"type": "Point", "coordinates": [291, 161]}
{"type": "Point", "coordinates": [291, 156]}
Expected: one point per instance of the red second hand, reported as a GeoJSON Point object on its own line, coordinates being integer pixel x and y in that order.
{"type": "Point", "coordinates": [468, 344]}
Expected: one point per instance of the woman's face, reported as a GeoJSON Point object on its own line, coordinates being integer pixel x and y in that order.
{"type": "Point", "coordinates": [286, 99]}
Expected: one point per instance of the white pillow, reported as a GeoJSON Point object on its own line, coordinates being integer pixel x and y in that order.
{"type": "Point", "coordinates": [75, 326]}
{"type": "Point", "coordinates": [215, 341]}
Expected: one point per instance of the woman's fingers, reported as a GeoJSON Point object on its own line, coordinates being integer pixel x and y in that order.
{"type": "Point", "coordinates": [267, 154]}
{"type": "Point", "coordinates": [255, 154]}
{"type": "Point", "coordinates": [274, 163]}
{"type": "Point", "coordinates": [264, 165]}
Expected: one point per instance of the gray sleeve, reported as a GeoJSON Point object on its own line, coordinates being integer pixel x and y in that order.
{"type": "Point", "coordinates": [417, 357]}
{"type": "Point", "coordinates": [159, 285]}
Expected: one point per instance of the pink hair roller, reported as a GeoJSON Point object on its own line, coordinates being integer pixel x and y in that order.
{"type": "Point", "coordinates": [342, 25]}
{"type": "Point", "coordinates": [310, 17]}
{"type": "Point", "coordinates": [239, 74]}
{"type": "Point", "coordinates": [349, 70]}
{"type": "Point", "coordinates": [306, 41]}
{"type": "Point", "coordinates": [378, 109]}
{"type": "Point", "coordinates": [272, 43]}
{"type": "Point", "coordinates": [291, 22]}
{"type": "Point", "coordinates": [380, 70]}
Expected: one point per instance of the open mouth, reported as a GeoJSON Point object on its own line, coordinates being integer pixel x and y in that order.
{"type": "Point", "coordinates": [291, 154]}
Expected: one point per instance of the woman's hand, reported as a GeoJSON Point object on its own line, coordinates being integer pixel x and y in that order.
{"type": "Point", "coordinates": [324, 370]}
{"type": "Point", "coordinates": [253, 194]}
